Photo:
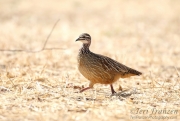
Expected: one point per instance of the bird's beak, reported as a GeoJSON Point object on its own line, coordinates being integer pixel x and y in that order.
{"type": "Point", "coordinates": [80, 38]}
{"type": "Point", "coordinates": [77, 39]}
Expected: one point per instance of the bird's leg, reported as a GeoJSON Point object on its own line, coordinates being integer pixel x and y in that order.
{"type": "Point", "coordinates": [112, 89]}
{"type": "Point", "coordinates": [90, 86]}
{"type": "Point", "coordinates": [82, 90]}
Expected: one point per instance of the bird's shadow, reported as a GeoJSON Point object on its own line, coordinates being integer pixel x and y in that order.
{"type": "Point", "coordinates": [124, 93]}
{"type": "Point", "coordinates": [121, 95]}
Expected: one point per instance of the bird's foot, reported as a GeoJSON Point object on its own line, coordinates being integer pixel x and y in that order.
{"type": "Point", "coordinates": [113, 93]}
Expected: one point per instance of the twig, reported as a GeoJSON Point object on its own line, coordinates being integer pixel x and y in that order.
{"type": "Point", "coordinates": [177, 71]}
{"type": "Point", "coordinates": [49, 35]}
{"type": "Point", "coordinates": [43, 48]}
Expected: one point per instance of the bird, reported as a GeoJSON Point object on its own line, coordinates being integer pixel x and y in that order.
{"type": "Point", "coordinates": [99, 68]}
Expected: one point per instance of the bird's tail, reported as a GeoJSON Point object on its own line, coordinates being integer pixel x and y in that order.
{"type": "Point", "coordinates": [132, 71]}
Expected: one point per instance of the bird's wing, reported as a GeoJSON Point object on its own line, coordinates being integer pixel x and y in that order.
{"type": "Point", "coordinates": [116, 67]}
{"type": "Point", "coordinates": [112, 65]}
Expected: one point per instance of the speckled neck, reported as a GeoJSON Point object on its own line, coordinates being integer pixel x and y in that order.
{"type": "Point", "coordinates": [85, 48]}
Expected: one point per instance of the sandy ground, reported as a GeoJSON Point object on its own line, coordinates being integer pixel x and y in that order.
{"type": "Point", "coordinates": [43, 86]}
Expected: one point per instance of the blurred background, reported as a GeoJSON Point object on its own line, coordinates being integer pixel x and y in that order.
{"type": "Point", "coordinates": [145, 28]}
{"type": "Point", "coordinates": [147, 31]}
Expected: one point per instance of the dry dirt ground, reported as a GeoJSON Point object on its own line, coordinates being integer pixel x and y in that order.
{"type": "Point", "coordinates": [44, 86]}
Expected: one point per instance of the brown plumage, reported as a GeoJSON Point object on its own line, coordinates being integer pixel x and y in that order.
{"type": "Point", "coordinates": [98, 68]}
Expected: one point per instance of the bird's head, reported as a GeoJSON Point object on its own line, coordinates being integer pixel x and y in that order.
{"type": "Point", "coordinates": [84, 38]}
